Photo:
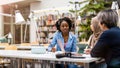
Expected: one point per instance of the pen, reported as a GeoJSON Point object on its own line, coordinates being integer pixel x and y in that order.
{"type": "Point", "coordinates": [86, 47]}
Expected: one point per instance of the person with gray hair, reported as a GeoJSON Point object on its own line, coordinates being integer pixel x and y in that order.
{"type": "Point", "coordinates": [108, 45]}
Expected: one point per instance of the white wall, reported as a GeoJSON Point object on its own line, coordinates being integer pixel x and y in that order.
{"type": "Point", "coordinates": [1, 22]}
{"type": "Point", "coordinates": [2, 2]}
{"type": "Point", "coordinates": [46, 4]}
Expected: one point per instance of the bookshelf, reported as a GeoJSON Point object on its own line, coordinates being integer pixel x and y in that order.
{"type": "Point", "coordinates": [46, 26]}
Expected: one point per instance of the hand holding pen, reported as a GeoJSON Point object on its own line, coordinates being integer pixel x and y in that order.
{"type": "Point", "coordinates": [87, 50]}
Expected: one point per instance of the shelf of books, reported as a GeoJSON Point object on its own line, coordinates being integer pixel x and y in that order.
{"type": "Point", "coordinates": [46, 26]}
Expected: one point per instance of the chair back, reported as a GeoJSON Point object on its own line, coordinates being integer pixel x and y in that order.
{"type": "Point", "coordinates": [25, 44]}
{"type": "Point", "coordinates": [34, 43]}
{"type": "Point", "coordinates": [45, 44]}
{"type": "Point", "coordinates": [11, 47]}
{"type": "Point", "coordinates": [4, 44]}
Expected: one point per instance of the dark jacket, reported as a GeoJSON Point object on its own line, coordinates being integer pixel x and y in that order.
{"type": "Point", "coordinates": [108, 45]}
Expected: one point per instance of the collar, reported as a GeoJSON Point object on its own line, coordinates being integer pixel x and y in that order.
{"type": "Point", "coordinates": [70, 35]}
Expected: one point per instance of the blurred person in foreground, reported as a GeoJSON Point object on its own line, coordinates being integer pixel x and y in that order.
{"type": "Point", "coordinates": [108, 45]}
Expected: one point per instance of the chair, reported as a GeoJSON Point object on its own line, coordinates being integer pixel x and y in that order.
{"type": "Point", "coordinates": [1, 58]}
{"type": "Point", "coordinates": [7, 61]}
{"type": "Point", "coordinates": [27, 61]}
{"type": "Point", "coordinates": [11, 47]}
{"type": "Point", "coordinates": [45, 44]}
{"type": "Point", "coordinates": [35, 43]}
{"type": "Point", "coordinates": [25, 44]}
{"type": "Point", "coordinates": [4, 44]}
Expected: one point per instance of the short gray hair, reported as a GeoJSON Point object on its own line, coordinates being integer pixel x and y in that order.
{"type": "Point", "coordinates": [108, 17]}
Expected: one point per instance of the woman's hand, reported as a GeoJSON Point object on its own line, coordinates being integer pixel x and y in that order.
{"type": "Point", "coordinates": [87, 51]}
{"type": "Point", "coordinates": [53, 49]}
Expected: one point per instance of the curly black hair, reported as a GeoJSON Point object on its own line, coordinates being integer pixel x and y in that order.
{"type": "Point", "coordinates": [58, 23]}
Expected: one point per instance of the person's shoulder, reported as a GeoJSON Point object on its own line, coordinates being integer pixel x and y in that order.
{"type": "Point", "coordinates": [112, 30]}
{"type": "Point", "coordinates": [91, 35]}
{"type": "Point", "coordinates": [115, 29]}
{"type": "Point", "coordinates": [107, 32]}
{"type": "Point", "coordinates": [72, 35]}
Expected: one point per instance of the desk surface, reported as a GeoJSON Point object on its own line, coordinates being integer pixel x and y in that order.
{"type": "Point", "coordinates": [23, 47]}
{"type": "Point", "coordinates": [47, 56]}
